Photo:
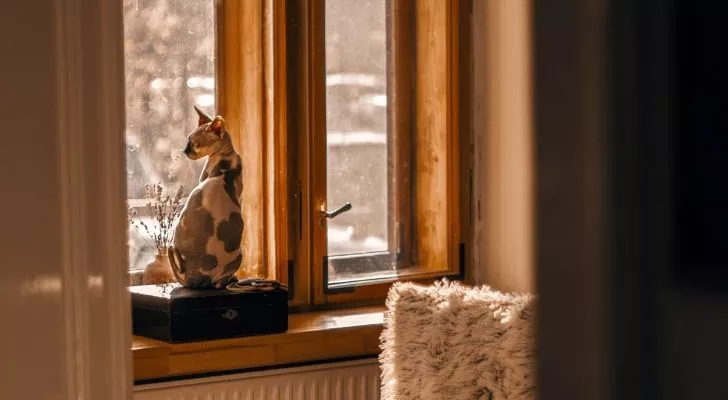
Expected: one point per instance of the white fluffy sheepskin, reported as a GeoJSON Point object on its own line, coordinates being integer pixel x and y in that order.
{"type": "Point", "coordinates": [449, 341]}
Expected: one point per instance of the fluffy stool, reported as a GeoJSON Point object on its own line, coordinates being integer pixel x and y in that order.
{"type": "Point", "coordinates": [449, 341]}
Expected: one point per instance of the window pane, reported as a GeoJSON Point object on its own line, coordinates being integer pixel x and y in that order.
{"type": "Point", "coordinates": [356, 120]}
{"type": "Point", "coordinates": [170, 66]}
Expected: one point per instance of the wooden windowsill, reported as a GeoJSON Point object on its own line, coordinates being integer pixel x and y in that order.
{"type": "Point", "coordinates": [311, 336]}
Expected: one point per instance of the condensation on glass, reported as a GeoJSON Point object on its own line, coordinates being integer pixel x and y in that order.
{"type": "Point", "coordinates": [356, 124]}
{"type": "Point", "coordinates": [169, 49]}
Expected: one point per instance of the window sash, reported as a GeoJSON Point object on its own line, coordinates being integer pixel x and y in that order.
{"type": "Point", "coordinates": [435, 192]}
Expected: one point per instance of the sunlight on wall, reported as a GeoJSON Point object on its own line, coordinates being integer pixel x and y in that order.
{"type": "Point", "coordinates": [503, 178]}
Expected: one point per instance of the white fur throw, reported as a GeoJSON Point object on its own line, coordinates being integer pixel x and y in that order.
{"type": "Point", "coordinates": [449, 341]}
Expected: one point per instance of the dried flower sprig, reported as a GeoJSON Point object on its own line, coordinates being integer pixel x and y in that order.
{"type": "Point", "coordinates": [164, 210]}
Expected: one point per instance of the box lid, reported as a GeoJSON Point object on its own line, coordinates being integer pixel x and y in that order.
{"type": "Point", "coordinates": [172, 297]}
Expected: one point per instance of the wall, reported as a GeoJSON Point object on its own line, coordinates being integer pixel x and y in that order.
{"type": "Point", "coordinates": [503, 154]}
{"type": "Point", "coordinates": [63, 299]}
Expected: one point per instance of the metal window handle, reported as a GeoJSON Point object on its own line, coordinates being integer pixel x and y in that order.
{"type": "Point", "coordinates": [333, 214]}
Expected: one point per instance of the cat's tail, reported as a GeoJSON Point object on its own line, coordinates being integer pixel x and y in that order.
{"type": "Point", "coordinates": [175, 260]}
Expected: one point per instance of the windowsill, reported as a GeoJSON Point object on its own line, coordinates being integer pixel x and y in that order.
{"type": "Point", "coordinates": [311, 336]}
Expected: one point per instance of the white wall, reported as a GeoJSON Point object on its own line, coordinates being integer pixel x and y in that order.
{"type": "Point", "coordinates": [65, 331]}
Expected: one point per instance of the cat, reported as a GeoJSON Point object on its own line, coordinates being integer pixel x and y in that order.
{"type": "Point", "coordinates": [205, 249]}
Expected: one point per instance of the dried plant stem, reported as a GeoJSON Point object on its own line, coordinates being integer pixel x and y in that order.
{"type": "Point", "coordinates": [164, 210]}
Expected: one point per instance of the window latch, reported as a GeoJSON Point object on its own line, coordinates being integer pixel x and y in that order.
{"type": "Point", "coordinates": [324, 214]}
{"type": "Point", "coordinates": [332, 214]}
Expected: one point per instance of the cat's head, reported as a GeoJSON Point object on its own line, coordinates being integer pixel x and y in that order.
{"type": "Point", "coordinates": [207, 138]}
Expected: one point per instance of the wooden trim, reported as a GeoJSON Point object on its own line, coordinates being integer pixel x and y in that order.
{"type": "Point", "coordinates": [453, 136]}
{"type": "Point", "coordinates": [465, 141]}
{"type": "Point", "coordinates": [298, 119]}
{"type": "Point", "coordinates": [252, 136]}
{"type": "Point", "coordinates": [433, 124]}
{"type": "Point", "coordinates": [317, 131]}
{"type": "Point", "coordinates": [310, 337]}
{"type": "Point", "coordinates": [278, 191]}
{"type": "Point", "coordinates": [400, 130]}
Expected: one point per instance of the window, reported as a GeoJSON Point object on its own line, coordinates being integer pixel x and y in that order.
{"type": "Point", "coordinates": [331, 103]}
{"type": "Point", "coordinates": [170, 66]}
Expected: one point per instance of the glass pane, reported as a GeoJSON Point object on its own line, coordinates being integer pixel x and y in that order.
{"type": "Point", "coordinates": [169, 51]}
{"type": "Point", "coordinates": [356, 121]}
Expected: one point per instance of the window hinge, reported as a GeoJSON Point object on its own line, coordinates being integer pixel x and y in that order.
{"type": "Point", "coordinates": [291, 278]}
{"type": "Point", "coordinates": [470, 203]}
{"type": "Point", "coordinates": [299, 218]}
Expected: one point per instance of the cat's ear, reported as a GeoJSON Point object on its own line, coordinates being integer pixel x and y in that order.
{"type": "Point", "coordinates": [204, 118]}
{"type": "Point", "coordinates": [217, 125]}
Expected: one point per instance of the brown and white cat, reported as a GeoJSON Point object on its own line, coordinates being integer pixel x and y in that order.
{"type": "Point", "coordinates": [205, 250]}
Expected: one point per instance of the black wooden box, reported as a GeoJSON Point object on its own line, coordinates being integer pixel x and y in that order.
{"type": "Point", "coordinates": [175, 314]}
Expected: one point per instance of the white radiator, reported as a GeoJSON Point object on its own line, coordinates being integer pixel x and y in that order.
{"type": "Point", "coordinates": [350, 380]}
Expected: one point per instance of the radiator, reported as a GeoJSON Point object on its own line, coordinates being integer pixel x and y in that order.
{"type": "Point", "coordinates": [350, 380]}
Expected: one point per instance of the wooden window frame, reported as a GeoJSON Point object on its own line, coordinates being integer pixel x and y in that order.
{"type": "Point", "coordinates": [270, 87]}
